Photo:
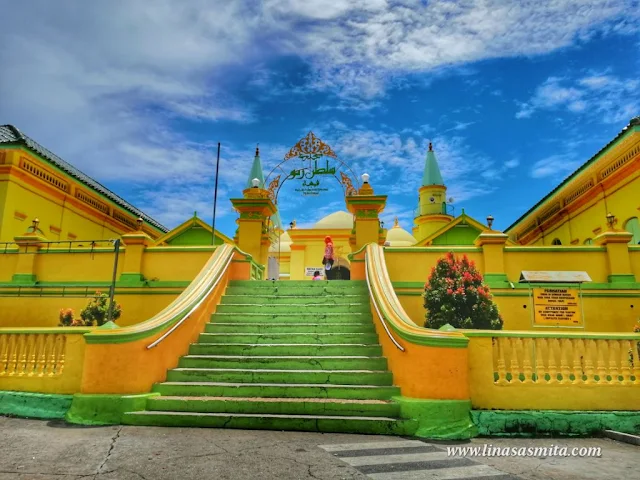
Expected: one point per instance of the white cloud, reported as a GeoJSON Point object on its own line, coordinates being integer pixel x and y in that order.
{"type": "Point", "coordinates": [600, 95]}
{"type": "Point", "coordinates": [554, 166]}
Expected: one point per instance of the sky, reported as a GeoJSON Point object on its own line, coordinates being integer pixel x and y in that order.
{"type": "Point", "coordinates": [514, 95]}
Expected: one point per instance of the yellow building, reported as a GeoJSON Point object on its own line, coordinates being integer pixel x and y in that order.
{"type": "Point", "coordinates": [37, 184]}
{"type": "Point", "coordinates": [576, 211]}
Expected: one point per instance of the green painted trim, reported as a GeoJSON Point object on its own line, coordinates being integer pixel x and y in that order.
{"type": "Point", "coordinates": [439, 419]}
{"type": "Point", "coordinates": [556, 248]}
{"type": "Point", "coordinates": [23, 278]}
{"type": "Point", "coordinates": [131, 278]}
{"type": "Point", "coordinates": [535, 423]}
{"type": "Point", "coordinates": [550, 334]}
{"type": "Point", "coordinates": [624, 278]}
{"type": "Point", "coordinates": [357, 252]}
{"type": "Point", "coordinates": [181, 248]}
{"type": "Point", "coordinates": [452, 248]}
{"type": "Point", "coordinates": [65, 330]}
{"type": "Point", "coordinates": [408, 294]}
{"type": "Point", "coordinates": [525, 287]}
{"type": "Point", "coordinates": [104, 409]}
{"type": "Point", "coordinates": [524, 294]}
{"type": "Point", "coordinates": [34, 405]}
{"type": "Point", "coordinates": [78, 250]}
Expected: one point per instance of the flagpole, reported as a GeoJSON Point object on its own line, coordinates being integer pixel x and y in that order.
{"type": "Point", "coordinates": [215, 200]}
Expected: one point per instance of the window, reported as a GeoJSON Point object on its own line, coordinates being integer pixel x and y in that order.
{"type": "Point", "coordinates": [588, 241]}
{"type": "Point", "coordinates": [556, 241]}
{"type": "Point", "coordinates": [633, 226]}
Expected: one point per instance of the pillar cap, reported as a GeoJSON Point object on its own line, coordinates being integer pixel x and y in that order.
{"type": "Point", "coordinates": [137, 238]}
{"type": "Point", "coordinates": [491, 237]}
{"type": "Point", "coordinates": [613, 236]}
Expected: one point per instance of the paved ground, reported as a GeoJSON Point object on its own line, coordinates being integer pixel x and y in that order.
{"type": "Point", "coordinates": [39, 450]}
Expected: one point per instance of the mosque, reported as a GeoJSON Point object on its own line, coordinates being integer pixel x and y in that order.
{"type": "Point", "coordinates": [205, 340]}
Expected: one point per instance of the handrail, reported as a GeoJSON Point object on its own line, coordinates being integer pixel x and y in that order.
{"type": "Point", "coordinates": [196, 291]}
{"type": "Point", "coordinates": [375, 305]}
{"type": "Point", "coordinates": [392, 311]}
{"type": "Point", "coordinates": [172, 329]}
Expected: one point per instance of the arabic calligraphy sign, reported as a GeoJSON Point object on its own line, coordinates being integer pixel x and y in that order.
{"type": "Point", "coordinates": [311, 175]}
{"type": "Point", "coordinates": [557, 306]}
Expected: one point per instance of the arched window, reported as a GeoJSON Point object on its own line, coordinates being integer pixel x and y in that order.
{"type": "Point", "coordinates": [633, 226]}
{"type": "Point", "coordinates": [556, 241]}
{"type": "Point", "coordinates": [588, 241]}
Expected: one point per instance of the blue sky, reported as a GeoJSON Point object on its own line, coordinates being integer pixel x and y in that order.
{"type": "Point", "coordinates": [514, 95]}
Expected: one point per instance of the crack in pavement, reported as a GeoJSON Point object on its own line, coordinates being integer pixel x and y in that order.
{"type": "Point", "coordinates": [111, 447]}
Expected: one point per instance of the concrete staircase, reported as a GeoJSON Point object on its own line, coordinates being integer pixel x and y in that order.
{"type": "Point", "coordinates": [284, 356]}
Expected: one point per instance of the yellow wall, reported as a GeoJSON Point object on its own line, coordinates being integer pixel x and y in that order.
{"type": "Point", "coordinates": [39, 312]}
{"type": "Point", "coordinates": [163, 264]}
{"type": "Point", "coordinates": [608, 307]}
{"type": "Point", "coordinates": [307, 250]}
{"type": "Point", "coordinates": [62, 216]}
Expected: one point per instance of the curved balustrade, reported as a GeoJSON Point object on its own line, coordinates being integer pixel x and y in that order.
{"type": "Point", "coordinates": [426, 364]}
{"type": "Point", "coordinates": [392, 313]}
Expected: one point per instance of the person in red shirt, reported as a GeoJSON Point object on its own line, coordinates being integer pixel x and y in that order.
{"type": "Point", "coordinates": [328, 259]}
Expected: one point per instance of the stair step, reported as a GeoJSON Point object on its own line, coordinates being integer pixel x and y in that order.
{"type": "Point", "coordinates": [288, 284]}
{"type": "Point", "coordinates": [267, 405]}
{"type": "Point", "coordinates": [293, 308]}
{"type": "Point", "coordinates": [305, 423]}
{"type": "Point", "coordinates": [260, 299]}
{"type": "Point", "coordinates": [307, 290]}
{"type": "Point", "coordinates": [247, 375]}
{"type": "Point", "coordinates": [277, 390]}
{"type": "Point", "coordinates": [284, 362]}
{"type": "Point", "coordinates": [292, 318]}
{"type": "Point", "coordinates": [250, 349]}
{"type": "Point", "coordinates": [328, 328]}
{"type": "Point", "coordinates": [297, 338]}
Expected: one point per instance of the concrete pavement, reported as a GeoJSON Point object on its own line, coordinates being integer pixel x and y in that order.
{"type": "Point", "coordinates": [39, 450]}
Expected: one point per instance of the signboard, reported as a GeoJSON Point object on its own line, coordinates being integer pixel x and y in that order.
{"type": "Point", "coordinates": [553, 277]}
{"type": "Point", "coordinates": [309, 271]}
{"type": "Point", "coordinates": [557, 306]}
{"type": "Point", "coordinates": [307, 174]}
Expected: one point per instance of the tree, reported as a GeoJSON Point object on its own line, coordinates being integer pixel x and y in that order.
{"type": "Point", "coordinates": [95, 313]}
{"type": "Point", "coordinates": [455, 294]}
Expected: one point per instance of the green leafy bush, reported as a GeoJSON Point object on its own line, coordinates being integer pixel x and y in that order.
{"type": "Point", "coordinates": [455, 294]}
{"type": "Point", "coordinates": [95, 313]}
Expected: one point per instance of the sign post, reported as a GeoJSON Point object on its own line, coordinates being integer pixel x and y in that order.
{"type": "Point", "coordinates": [556, 298]}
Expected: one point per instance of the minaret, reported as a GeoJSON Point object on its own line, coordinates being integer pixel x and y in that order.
{"type": "Point", "coordinates": [432, 209]}
{"type": "Point", "coordinates": [256, 172]}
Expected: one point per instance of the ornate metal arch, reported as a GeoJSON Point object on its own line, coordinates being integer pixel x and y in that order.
{"type": "Point", "coordinates": [311, 148]}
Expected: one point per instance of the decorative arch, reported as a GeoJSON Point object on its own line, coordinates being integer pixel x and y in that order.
{"type": "Point", "coordinates": [556, 241]}
{"type": "Point", "coordinates": [588, 241]}
{"type": "Point", "coordinates": [633, 227]}
{"type": "Point", "coordinates": [309, 150]}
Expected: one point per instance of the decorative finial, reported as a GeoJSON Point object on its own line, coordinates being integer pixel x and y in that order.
{"type": "Point", "coordinates": [195, 214]}
{"type": "Point", "coordinates": [611, 220]}
{"type": "Point", "coordinates": [396, 223]}
{"type": "Point", "coordinates": [430, 147]}
{"type": "Point", "coordinates": [257, 149]}
{"type": "Point", "coordinates": [489, 221]}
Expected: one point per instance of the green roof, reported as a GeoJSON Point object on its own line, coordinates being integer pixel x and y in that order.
{"type": "Point", "coordinates": [256, 171]}
{"type": "Point", "coordinates": [432, 175]}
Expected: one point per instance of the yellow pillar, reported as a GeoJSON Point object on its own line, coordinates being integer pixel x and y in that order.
{"type": "Point", "coordinates": [135, 243]}
{"type": "Point", "coordinates": [492, 244]}
{"type": "Point", "coordinates": [29, 245]}
{"type": "Point", "coordinates": [297, 262]}
{"type": "Point", "coordinates": [617, 245]}
{"type": "Point", "coordinates": [366, 208]}
{"type": "Point", "coordinates": [254, 209]}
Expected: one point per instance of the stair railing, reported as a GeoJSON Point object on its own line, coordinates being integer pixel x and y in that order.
{"type": "Point", "coordinates": [193, 309]}
{"type": "Point", "coordinates": [375, 305]}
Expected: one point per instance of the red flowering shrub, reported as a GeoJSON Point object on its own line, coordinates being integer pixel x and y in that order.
{"type": "Point", "coordinates": [456, 295]}
{"type": "Point", "coordinates": [95, 313]}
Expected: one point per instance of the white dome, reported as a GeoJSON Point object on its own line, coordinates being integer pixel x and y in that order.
{"type": "Point", "coordinates": [399, 237]}
{"type": "Point", "coordinates": [335, 221]}
{"type": "Point", "coordinates": [285, 244]}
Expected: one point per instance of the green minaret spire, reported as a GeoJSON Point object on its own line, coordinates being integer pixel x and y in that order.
{"type": "Point", "coordinates": [256, 170]}
{"type": "Point", "coordinates": [431, 174]}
